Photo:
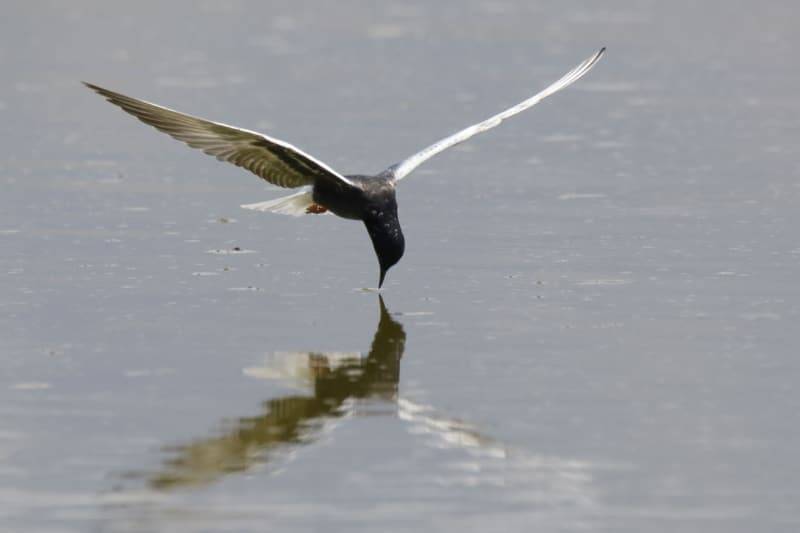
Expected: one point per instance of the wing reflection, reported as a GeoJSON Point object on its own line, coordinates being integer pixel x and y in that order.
{"type": "Point", "coordinates": [293, 420]}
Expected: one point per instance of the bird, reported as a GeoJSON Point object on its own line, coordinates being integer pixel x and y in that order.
{"type": "Point", "coordinates": [368, 198]}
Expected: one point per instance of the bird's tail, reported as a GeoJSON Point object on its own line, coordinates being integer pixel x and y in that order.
{"type": "Point", "coordinates": [296, 204]}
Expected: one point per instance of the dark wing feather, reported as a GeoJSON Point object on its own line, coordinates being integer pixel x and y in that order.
{"type": "Point", "coordinates": [274, 160]}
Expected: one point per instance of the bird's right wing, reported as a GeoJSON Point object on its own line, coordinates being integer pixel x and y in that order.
{"type": "Point", "coordinates": [404, 168]}
{"type": "Point", "coordinates": [276, 161]}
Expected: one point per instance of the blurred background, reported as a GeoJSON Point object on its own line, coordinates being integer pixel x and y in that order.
{"type": "Point", "coordinates": [588, 330]}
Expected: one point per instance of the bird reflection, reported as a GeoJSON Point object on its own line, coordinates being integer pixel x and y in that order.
{"type": "Point", "coordinates": [340, 385]}
{"type": "Point", "coordinates": [336, 379]}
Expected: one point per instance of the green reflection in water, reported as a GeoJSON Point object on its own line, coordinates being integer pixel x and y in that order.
{"type": "Point", "coordinates": [292, 420]}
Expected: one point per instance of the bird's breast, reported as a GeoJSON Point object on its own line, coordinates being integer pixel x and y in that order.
{"type": "Point", "coordinates": [343, 201]}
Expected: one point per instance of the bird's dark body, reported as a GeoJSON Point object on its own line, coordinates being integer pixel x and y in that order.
{"type": "Point", "coordinates": [372, 200]}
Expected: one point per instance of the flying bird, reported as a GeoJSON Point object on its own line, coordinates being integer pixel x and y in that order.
{"type": "Point", "coordinates": [370, 199]}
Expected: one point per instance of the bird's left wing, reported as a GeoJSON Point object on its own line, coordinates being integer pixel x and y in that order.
{"type": "Point", "coordinates": [275, 161]}
{"type": "Point", "coordinates": [404, 168]}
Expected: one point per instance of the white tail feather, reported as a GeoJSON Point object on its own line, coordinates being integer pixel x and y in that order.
{"type": "Point", "coordinates": [295, 204]}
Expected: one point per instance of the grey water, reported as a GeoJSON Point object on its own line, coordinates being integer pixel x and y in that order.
{"type": "Point", "coordinates": [594, 326]}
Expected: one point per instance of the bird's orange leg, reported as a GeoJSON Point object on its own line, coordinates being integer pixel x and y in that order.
{"type": "Point", "coordinates": [315, 209]}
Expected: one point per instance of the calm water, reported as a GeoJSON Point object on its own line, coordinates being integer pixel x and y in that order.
{"type": "Point", "coordinates": [594, 326]}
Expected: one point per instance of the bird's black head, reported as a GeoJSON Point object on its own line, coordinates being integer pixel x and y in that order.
{"type": "Point", "coordinates": [390, 256]}
{"type": "Point", "coordinates": [383, 227]}
{"type": "Point", "coordinates": [387, 238]}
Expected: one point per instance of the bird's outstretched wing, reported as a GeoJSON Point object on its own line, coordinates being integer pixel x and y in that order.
{"type": "Point", "coordinates": [276, 161]}
{"type": "Point", "coordinates": [404, 168]}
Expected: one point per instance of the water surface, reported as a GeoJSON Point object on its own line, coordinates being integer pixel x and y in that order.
{"type": "Point", "coordinates": [592, 328]}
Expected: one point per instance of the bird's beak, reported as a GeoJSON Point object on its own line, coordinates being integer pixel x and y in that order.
{"type": "Point", "coordinates": [383, 275]}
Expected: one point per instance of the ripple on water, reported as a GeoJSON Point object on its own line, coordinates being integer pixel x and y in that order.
{"type": "Point", "coordinates": [230, 251]}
